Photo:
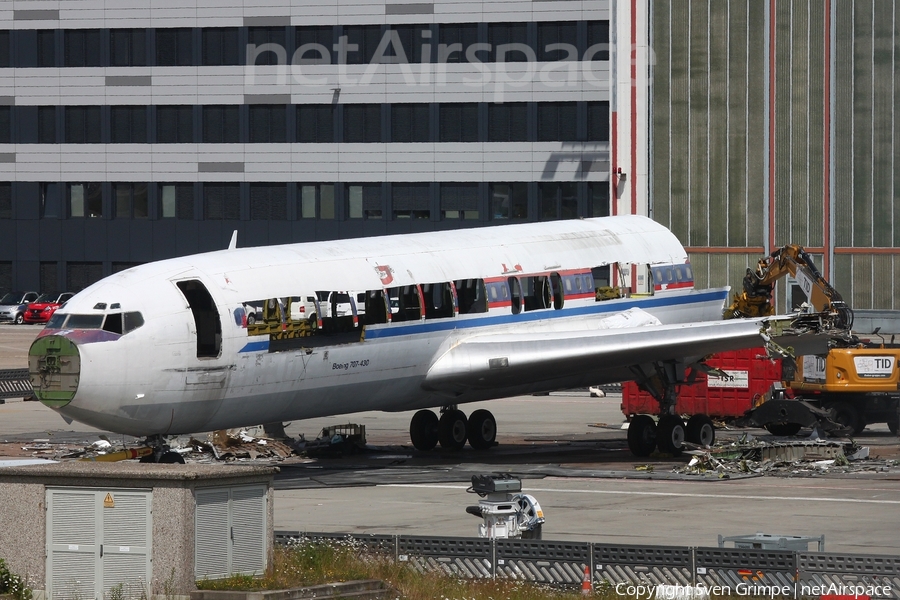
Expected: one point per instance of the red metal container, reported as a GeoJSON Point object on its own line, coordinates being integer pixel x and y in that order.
{"type": "Point", "coordinates": [751, 373]}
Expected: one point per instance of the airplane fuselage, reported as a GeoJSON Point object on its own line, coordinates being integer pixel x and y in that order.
{"type": "Point", "coordinates": [216, 341]}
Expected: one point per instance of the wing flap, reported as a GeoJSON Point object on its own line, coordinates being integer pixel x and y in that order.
{"type": "Point", "coordinates": [510, 359]}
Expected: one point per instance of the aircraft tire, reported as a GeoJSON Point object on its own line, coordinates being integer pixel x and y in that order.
{"type": "Point", "coordinates": [481, 429]}
{"type": "Point", "coordinates": [700, 430]}
{"type": "Point", "coordinates": [642, 435]}
{"type": "Point", "coordinates": [423, 430]}
{"type": "Point", "coordinates": [670, 435]}
{"type": "Point", "coordinates": [783, 429]}
{"type": "Point", "coordinates": [452, 430]}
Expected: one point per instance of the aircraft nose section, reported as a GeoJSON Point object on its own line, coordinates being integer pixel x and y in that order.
{"type": "Point", "coordinates": [54, 364]}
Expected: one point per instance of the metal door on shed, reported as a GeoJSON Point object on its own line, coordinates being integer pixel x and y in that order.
{"type": "Point", "coordinates": [98, 540]}
{"type": "Point", "coordinates": [230, 531]}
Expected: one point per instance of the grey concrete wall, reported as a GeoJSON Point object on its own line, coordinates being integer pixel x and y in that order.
{"type": "Point", "coordinates": [23, 533]}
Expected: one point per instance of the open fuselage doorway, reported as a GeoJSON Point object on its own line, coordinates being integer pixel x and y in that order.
{"type": "Point", "coordinates": [206, 318]}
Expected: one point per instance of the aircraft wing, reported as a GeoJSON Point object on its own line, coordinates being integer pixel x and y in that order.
{"type": "Point", "coordinates": [510, 359]}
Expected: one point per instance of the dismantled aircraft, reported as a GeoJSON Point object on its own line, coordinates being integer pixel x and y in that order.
{"type": "Point", "coordinates": [244, 336]}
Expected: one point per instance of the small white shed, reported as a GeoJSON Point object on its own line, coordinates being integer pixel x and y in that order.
{"type": "Point", "coordinates": [81, 529]}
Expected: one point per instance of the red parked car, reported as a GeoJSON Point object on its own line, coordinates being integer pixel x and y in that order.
{"type": "Point", "coordinates": [43, 308]}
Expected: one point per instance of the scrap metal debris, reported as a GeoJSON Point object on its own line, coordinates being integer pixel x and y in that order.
{"type": "Point", "coordinates": [751, 456]}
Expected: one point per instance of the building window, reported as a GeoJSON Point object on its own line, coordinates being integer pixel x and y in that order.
{"type": "Point", "coordinates": [454, 40]}
{"type": "Point", "coordinates": [315, 123]}
{"type": "Point", "coordinates": [50, 201]}
{"type": "Point", "coordinates": [316, 200]}
{"type": "Point", "coordinates": [598, 121]}
{"type": "Point", "coordinates": [82, 47]}
{"type": "Point", "coordinates": [459, 122]}
{"type": "Point", "coordinates": [221, 125]}
{"type": "Point", "coordinates": [413, 39]}
{"type": "Point", "coordinates": [557, 33]}
{"type": "Point", "coordinates": [459, 201]}
{"type": "Point", "coordinates": [80, 275]}
{"type": "Point", "coordinates": [364, 200]}
{"type": "Point", "coordinates": [176, 201]}
{"type": "Point", "coordinates": [268, 201]}
{"type": "Point", "coordinates": [220, 47]}
{"type": "Point", "coordinates": [598, 199]}
{"type": "Point", "coordinates": [411, 200]}
{"type": "Point", "coordinates": [131, 200]}
{"type": "Point", "coordinates": [362, 123]}
{"type": "Point", "coordinates": [82, 125]}
{"type": "Point", "coordinates": [128, 47]}
{"type": "Point", "coordinates": [598, 40]}
{"type": "Point", "coordinates": [317, 44]}
{"type": "Point", "coordinates": [558, 201]}
{"type": "Point", "coordinates": [410, 123]}
{"type": "Point", "coordinates": [5, 54]}
{"type": "Point", "coordinates": [128, 124]}
{"type": "Point", "coordinates": [508, 122]}
{"type": "Point", "coordinates": [85, 200]}
{"type": "Point", "coordinates": [509, 42]}
{"type": "Point", "coordinates": [268, 123]}
{"type": "Point", "coordinates": [6, 275]}
{"type": "Point", "coordinates": [46, 48]}
{"type": "Point", "coordinates": [46, 124]}
{"type": "Point", "coordinates": [174, 124]}
{"type": "Point", "coordinates": [260, 36]}
{"type": "Point", "coordinates": [366, 38]}
{"type": "Point", "coordinates": [48, 276]}
{"type": "Point", "coordinates": [556, 122]}
{"type": "Point", "coordinates": [5, 124]}
{"type": "Point", "coordinates": [5, 201]}
{"type": "Point", "coordinates": [509, 200]}
{"type": "Point", "coordinates": [222, 201]}
{"type": "Point", "coordinates": [174, 47]}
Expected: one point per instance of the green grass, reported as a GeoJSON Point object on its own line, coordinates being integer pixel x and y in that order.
{"type": "Point", "coordinates": [314, 563]}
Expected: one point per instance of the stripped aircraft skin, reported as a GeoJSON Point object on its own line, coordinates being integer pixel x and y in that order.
{"type": "Point", "coordinates": [215, 340]}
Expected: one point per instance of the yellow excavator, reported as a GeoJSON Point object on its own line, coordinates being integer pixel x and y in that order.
{"type": "Point", "coordinates": [854, 384]}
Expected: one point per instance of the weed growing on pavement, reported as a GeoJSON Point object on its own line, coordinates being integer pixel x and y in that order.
{"type": "Point", "coordinates": [309, 563]}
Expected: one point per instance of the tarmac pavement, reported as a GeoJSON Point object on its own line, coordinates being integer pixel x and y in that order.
{"type": "Point", "coordinates": [571, 452]}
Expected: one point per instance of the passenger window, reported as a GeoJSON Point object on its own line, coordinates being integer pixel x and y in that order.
{"type": "Point", "coordinates": [376, 309]}
{"type": "Point", "coordinates": [408, 303]}
{"type": "Point", "coordinates": [438, 299]}
{"type": "Point", "coordinates": [470, 296]}
{"type": "Point", "coordinates": [515, 292]}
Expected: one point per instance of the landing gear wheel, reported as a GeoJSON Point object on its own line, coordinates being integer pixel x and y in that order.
{"type": "Point", "coordinates": [481, 429]}
{"type": "Point", "coordinates": [452, 430]}
{"type": "Point", "coordinates": [783, 429]}
{"type": "Point", "coordinates": [423, 430]}
{"type": "Point", "coordinates": [642, 435]}
{"type": "Point", "coordinates": [670, 434]}
{"type": "Point", "coordinates": [700, 430]}
{"type": "Point", "coordinates": [845, 414]}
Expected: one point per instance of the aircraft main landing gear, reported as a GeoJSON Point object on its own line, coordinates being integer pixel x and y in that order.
{"type": "Point", "coordinates": [161, 453]}
{"type": "Point", "coordinates": [453, 429]}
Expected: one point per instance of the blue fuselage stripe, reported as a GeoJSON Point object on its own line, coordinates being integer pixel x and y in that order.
{"type": "Point", "coordinates": [400, 329]}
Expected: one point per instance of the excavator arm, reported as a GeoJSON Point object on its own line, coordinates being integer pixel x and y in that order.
{"type": "Point", "coordinates": [756, 298]}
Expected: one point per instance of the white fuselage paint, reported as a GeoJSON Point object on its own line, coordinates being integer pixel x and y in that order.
{"type": "Point", "coordinates": [150, 381]}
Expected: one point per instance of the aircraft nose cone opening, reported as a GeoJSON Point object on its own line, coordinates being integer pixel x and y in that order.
{"type": "Point", "coordinates": [54, 364]}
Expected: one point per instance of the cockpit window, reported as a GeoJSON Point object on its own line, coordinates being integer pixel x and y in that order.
{"type": "Point", "coordinates": [120, 323]}
{"type": "Point", "coordinates": [133, 320]}
{"type": "Point", "coordinates": [56, 321]}
{"type": "Point", "coordinates": [113, 323]}
{"type": "Point", "coordinates": [84, 321]}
